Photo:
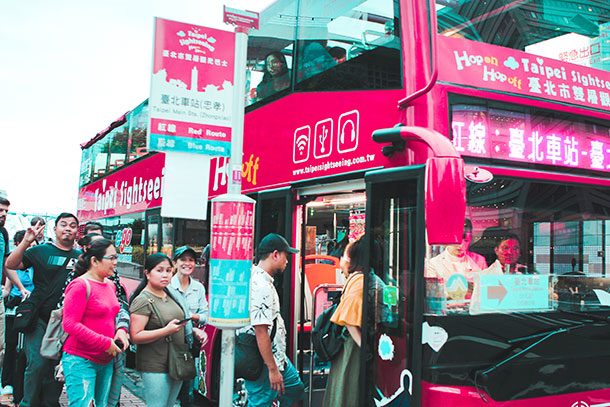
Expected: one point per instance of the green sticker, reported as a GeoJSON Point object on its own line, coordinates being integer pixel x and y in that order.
{"type": "Point", "coordinates": [390, 295]}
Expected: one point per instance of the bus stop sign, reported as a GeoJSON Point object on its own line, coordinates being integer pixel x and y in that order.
{"type": "Point", "coordinates": [231, 249]}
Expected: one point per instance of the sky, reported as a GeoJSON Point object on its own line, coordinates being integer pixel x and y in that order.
{"type": "Point", "coordinates": [69, 68]}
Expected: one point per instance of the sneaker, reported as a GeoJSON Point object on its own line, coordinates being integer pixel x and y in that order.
{"type": "Point", "coordinates": [8, 389]}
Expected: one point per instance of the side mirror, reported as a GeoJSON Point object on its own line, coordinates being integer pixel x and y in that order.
{"type": "Point", "coordinates": [445, 200]}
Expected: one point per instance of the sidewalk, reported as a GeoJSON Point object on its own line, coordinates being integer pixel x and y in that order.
{"type": "Point", "coordinates": [127, 400]}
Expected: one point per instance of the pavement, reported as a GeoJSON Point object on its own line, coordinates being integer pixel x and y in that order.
{"type": "Point", "coordinates": [127, 400]}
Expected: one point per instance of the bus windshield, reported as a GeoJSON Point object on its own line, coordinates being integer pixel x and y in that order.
{"type": "Point", "coordinates": [571, 31]}
{"type": "Point", "coordinates": [527, 246]}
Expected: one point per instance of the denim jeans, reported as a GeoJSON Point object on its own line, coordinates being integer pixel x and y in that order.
{"type": "Point", "coordinates": [39, 384]}
{"type": "Point", "coordinates": [160, 390]}
{"type": "Point", "coordinates": [86, 381]}
{"type": "Point", "coordinates": [260, 393]}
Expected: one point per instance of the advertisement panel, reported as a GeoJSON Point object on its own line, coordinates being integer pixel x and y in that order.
{"type": "Point", "coordinates": [134, 188]}
{"type": "Point", "coordinates": [502, 69]}
{"type": "Point", "coordinates": [191, 89]}
{"type": "Point", "coordinates": [323, 140]}
{"type": "Point", "coordinates": [231, 248]}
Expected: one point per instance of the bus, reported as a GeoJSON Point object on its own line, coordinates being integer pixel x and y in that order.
{"type": "Point", "coordinates": [424, 126]}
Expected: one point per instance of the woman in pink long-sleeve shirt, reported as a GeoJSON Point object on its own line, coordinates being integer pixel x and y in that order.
{"type": "Point", "coordinates": [90, 308]}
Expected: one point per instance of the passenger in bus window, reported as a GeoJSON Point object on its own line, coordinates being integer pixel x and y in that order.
{"type": "Point", "coordinates": [338, 53]}
{"type": "Point", "coordinates": [508, 251]}
{"type": "Point", "coordinates": [343, 377]}
{"type": "Point", "coordinates": [276, 77]}
{"type": "Point", "coordinates": [314, 58]}
{"type": "Point", "coordinates": [456, 258]}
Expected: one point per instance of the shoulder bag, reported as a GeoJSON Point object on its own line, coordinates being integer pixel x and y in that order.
{"type": "Point", "coordinates": [181, 362]}
{"type": "Point", "coordinates": [55, 336]}
{"type": "Point", "coordinates": [248, 359]}
{"type": "Point", "coordinates": [27, 312]}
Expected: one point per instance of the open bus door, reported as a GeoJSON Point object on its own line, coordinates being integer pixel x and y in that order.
{"type": "Point", "coordinates": [392, 318]}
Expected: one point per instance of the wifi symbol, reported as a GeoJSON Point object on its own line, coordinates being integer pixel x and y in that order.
{"type": "Point", "coordinates": [302, 142]}
{"type": "Point", "coordinates": [300, 151]}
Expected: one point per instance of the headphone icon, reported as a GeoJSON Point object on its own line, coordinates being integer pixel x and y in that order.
{"type": "Point", "coordinates": [352, 133]}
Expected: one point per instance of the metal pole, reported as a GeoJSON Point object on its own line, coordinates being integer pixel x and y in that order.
{"type": "Point", "coordinates": [227, 360]}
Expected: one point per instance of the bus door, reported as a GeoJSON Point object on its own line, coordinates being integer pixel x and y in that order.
{"type": "Point", "coordinates": [392, 313]}
{"type": "Point", "coordinates": [329, 216]}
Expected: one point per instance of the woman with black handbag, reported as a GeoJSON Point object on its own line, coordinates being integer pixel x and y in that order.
{"type": "Point", "coordinates": [162, 330]}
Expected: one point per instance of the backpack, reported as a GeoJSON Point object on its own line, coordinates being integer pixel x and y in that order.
{"type": "Point", "coordinates": [326, 336]}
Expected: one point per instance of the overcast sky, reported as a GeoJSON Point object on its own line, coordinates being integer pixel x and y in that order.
{"type": "Point", "coordinates": [69, 68]}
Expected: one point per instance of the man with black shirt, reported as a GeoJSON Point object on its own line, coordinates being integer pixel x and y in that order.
{"type": "Point", "coordinates": [51, 263]}
{"type": "Point", "coordinates": [4, 204]}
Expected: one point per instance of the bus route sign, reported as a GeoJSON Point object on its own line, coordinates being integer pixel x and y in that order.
{"type": "Point", "coordinates": [191, 89]}
{"type": "Point", "coordinates": [512, 292]}
{"type": "Point", "coordinates": [231, 248]}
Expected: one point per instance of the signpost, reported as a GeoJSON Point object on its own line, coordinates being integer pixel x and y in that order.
{"type": "Point", "coordinates": [232, 224]}
{"type": "Point", "coordinates": [514, 292]}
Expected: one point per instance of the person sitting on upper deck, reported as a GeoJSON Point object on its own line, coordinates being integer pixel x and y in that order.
{"type": "Point", "coordinates": [276, 77]}
{"type": "Point", "coordinates": [508, 251]}
{"type": "Point", "coordinates": [456, 258]}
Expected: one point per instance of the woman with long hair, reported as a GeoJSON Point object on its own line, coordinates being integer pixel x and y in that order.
{"type": "Point", "coordinates": [122, 318]}
{"type": "Point", "coordinates": [157, 317]}
{"type": "Point", "coordinates": [90, 309]}
{"type": "Point", "coordinates": [344, 368]}
{"type": "Point", "coordinates": [276, 76]}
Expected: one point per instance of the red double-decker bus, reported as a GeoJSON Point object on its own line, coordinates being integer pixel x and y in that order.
{"type": "Point", "coordinates": [402, 119]}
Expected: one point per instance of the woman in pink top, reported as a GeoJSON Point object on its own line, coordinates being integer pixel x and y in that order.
{"type": "Point", "coordinates": [90, 308]}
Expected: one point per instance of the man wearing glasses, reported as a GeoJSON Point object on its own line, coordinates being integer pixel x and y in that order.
{"type": "Point", "coordinates": [51, 263]}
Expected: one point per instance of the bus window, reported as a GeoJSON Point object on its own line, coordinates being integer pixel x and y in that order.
{"type": "Point", "coordinates": [527, 247]}
{"type": "Point", "coordinates": [270, 53]}
{"type": "Point", "coordinates": [565, 30]}
{"type": "Point", "coordinates": [348, 45]}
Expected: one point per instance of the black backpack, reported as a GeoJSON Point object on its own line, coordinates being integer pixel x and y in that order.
{"type": "Point", "coordinates": [327, 337]}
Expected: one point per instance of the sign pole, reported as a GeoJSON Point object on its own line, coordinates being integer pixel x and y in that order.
{"type": "Point", "coordinates": [233, 222]}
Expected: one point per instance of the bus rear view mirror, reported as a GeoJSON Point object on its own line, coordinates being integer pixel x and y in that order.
{"type": "Point", "coordinates": [445, 200]}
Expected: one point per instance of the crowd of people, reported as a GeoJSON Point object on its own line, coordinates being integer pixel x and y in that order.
{"type": "Point", "coordinates": [101, 323]}
{"type": "Point", "coordinates": [99, 320]}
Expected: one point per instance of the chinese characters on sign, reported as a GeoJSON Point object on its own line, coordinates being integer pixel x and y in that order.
{"type": "Point", "coordinates": [498, 68]}
{"type": "Point", "coordinates": [191, 89]}
{"type": "Point", "coordinates": [230, 262]}
{"type": "Point", "coordinates": [515, 136]}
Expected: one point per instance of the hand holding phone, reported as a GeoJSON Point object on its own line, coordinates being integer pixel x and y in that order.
{"type": "Point", "coordinates": [184, 320]}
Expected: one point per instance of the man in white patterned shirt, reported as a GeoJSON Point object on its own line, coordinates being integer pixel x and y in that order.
{"type": "Point", "coordinates": [279, 379]}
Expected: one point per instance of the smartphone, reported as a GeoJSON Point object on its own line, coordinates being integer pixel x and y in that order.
{"type": "Point", "coordinates": [119, 343]}
{"type": "Point", "coordinates": [184, 320]}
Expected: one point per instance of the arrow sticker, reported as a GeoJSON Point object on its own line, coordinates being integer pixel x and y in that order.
{"type": "Point", "coordinates": [497, 292]}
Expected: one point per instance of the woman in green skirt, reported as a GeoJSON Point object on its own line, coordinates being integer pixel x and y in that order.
{"type": "Point", "coordinates": [343, 378]}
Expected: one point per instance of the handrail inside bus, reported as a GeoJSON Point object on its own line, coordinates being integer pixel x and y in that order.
{"type": "Point", "coordinates": [432, 29]}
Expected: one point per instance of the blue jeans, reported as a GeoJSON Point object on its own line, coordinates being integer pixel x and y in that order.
{"type": "Point", "coordinates": [86, 381]}
{"type": "Point", "coordinates": [160, 390]}
{"type": "Point", "coordinates": [260, 393]}
{"type": "Point", "coordinates": [39, 385]}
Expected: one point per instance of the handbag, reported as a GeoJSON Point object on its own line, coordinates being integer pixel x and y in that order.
{"type": "Point", "coordinates": [181, 361]}
{"type": "Point", "coordinates": [248, 359]}
{"type": "Point", "coordinates": [27, 312]}
{"type": "Point", "coordinates": [327, 337]}
{"type": "Point", "coordinates": [26, 316]}
{"type": "Point", "coordinates": [55, 336]}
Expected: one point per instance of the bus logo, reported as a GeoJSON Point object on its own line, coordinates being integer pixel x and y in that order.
{"type": "Point", "coordinates": [300, 151]}
{"type": "Point", "coordinates": [348, 131]}
{"type": "Point", "coordinates": [323, 140]}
